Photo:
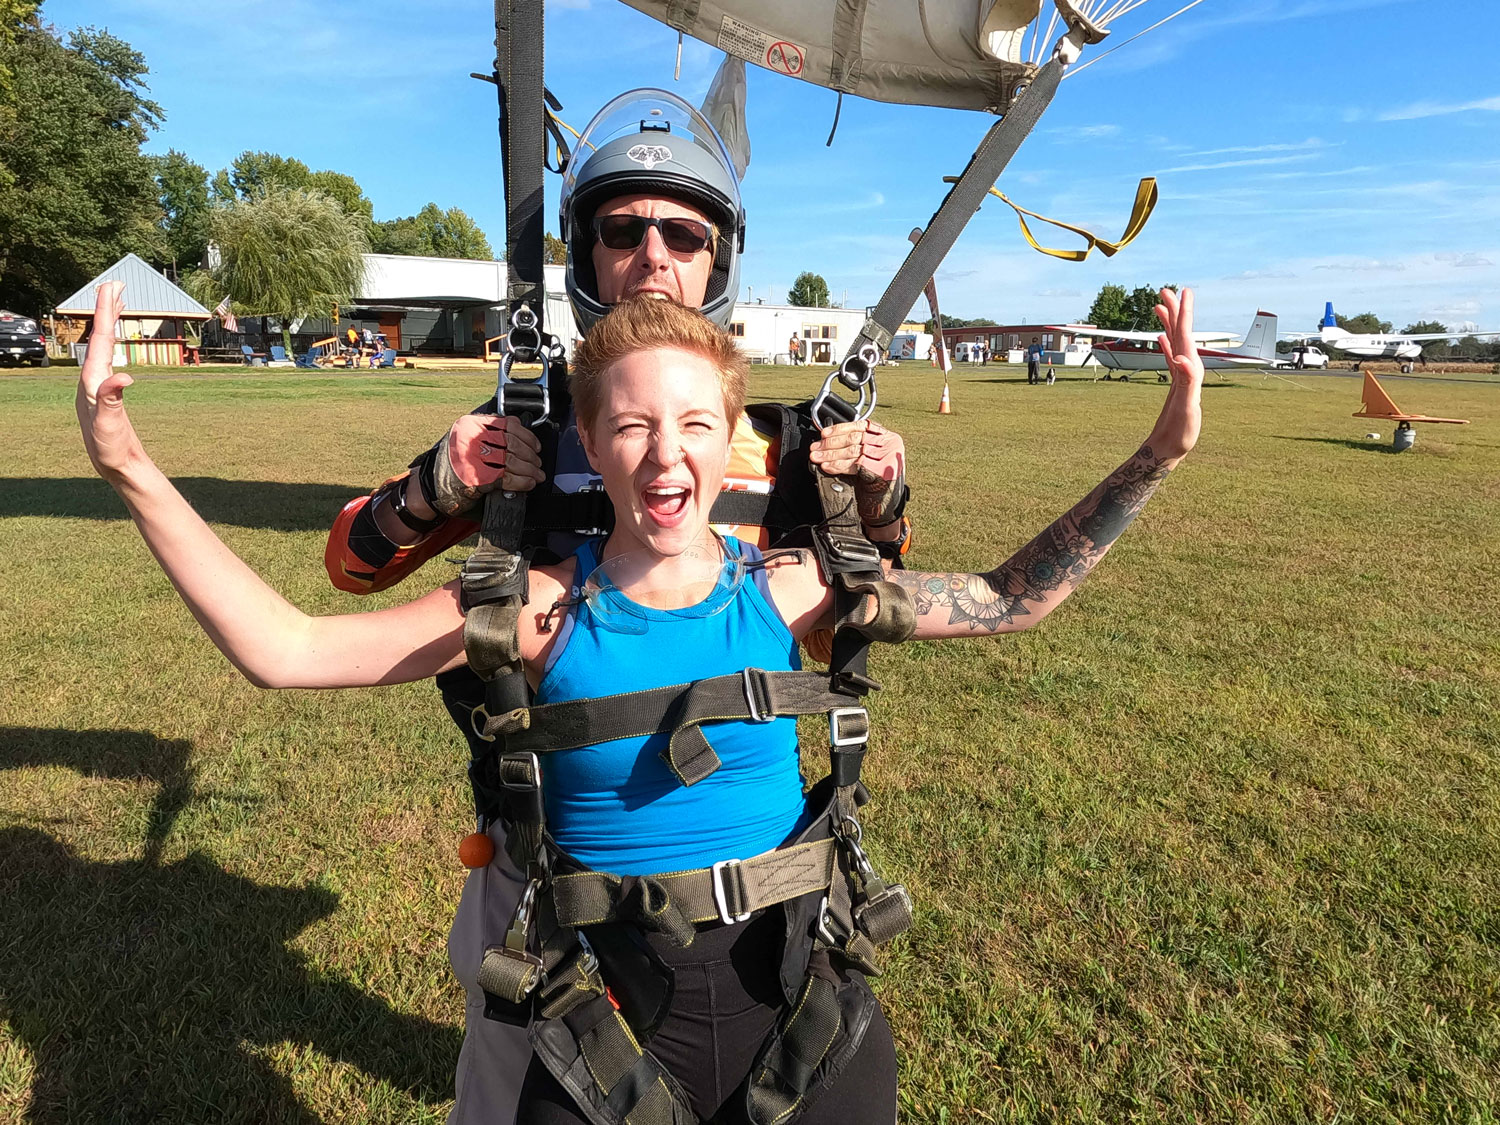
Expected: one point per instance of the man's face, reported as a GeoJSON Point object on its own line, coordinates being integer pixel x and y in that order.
{"type": "Point", "coordinates": [651, 267]}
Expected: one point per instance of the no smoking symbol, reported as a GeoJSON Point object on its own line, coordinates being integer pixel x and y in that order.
{"type": "Point", "coordinates": [785, 57]}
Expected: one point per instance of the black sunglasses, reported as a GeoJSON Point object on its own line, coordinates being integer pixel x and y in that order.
{"type": "Point", "coordinates": [626, 232]}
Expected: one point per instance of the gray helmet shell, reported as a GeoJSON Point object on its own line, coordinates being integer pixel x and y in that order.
{"type": "Point", "coordinates": [651, 142]}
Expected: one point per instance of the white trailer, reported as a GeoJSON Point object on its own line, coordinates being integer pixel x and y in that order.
{"type": "Point", "coordinates": [911, 345]}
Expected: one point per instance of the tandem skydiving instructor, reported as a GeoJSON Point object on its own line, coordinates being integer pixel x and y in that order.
{"type": "Point", "coordinates": [645, 211]}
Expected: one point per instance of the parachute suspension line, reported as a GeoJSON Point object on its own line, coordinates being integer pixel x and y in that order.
{"type": "Point", "coordinates": [837, 109]}
{"type": "Point", "coordinates": [1133, 38]}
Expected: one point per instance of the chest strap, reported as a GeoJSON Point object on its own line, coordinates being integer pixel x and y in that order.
{"type": "Point", "coordinates": [753, 695]}
{"type": "Point", "coordinates": [729, 891]}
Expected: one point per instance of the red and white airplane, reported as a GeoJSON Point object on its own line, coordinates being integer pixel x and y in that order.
{"type": "Point", "coordinates": [1138, 351]}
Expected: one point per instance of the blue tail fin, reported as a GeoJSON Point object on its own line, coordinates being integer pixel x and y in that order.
{"type": "Point", "coordinates": [1329, 320]}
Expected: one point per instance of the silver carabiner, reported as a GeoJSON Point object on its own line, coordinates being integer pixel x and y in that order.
{"type": "Point", "coordinates": [857, 373]}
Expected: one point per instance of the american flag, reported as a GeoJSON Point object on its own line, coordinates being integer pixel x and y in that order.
{"type": "Point", "coordinates": [221, 310]}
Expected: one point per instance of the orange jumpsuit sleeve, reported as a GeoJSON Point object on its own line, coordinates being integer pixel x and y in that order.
{"type": "Point", "coordinates": [361, 560]}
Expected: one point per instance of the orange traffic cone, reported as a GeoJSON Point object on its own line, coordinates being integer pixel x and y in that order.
{"type": "Point", "coordinates": [943, 407]}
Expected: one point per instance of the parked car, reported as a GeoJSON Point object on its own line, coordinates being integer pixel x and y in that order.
{"type": "Point", "coordinates": [21, 340]}
{"type": "Point", "coordinates": [1306, 355]}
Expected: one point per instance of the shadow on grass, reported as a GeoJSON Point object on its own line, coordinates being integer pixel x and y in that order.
{"type": "Point", "coordinates": [120, 755]}
{"type": "Point", "coordinates": [1347, 443]}
{"type": "Point", "coordinates": [141, 990]}
{"type": "Point", "coordinates": [271, 505]}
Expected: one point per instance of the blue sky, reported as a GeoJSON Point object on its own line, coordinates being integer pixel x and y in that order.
{"type": "Point", "coordinates": [1307, 150]}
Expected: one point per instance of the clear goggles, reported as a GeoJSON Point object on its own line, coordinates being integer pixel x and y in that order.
{"type": "Point", "coordinates": [627, 592]}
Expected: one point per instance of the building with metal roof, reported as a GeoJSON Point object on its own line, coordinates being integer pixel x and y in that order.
{"type": "Point", "coordinates": [147, 294]}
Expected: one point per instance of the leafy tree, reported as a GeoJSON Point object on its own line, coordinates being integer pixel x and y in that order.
{"type": "Point", "coordinates": [1133, 311]}
{"type": "Point", "coordinates": [76, 192]}
{"type": "Point", "coordinates": [253, 173]}
{"type": "Point", "coordinates": [396, 236]}
{"type": "Point", "coordinates": [286, 253]}
{"type": "Point", "coordinates": [433, 232]}
{"type": "Point", "coordinates": [956, 322]}
{"type": "Point", "coordinates": [1108, 309]}
{"type": "Point", "coordinates": [809, 290]}
{"type": "Point", "coordinates": [346, 192]}
{"type": "Point", "coordinates": [451, 234]}
{"type": "Point", "coordinates": [554, 250]}
{"type": "Point", "coordinates": [1366, 322]}
{"type": "Point", "coordinates": [182, 190]}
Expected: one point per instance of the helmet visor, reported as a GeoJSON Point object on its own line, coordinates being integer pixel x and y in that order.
{"type": "Point", "coordinates": [654, 129]}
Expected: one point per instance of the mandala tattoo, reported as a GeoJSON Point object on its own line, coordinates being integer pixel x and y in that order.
{"type": "Point", "coordinates": [1057, 559]}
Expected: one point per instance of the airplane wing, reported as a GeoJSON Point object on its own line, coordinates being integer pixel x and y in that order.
{"type": "Point", "coordinates": [1437, 335]}
{"type": "Point", "coordinates": [1124, 334]}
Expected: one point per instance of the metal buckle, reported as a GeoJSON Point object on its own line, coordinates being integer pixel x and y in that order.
{"type": "Point", "coordinates": [591, 532]}
{"type": "Point", "coordinates": [721, 894]}
{"type": "Point", "coordinates": [836, 735]}
{"type": "Point", "coordinates": [756, 715]}
{"type": "Point", "coordinates": [824, 933]}
{"type": "Point", "coordinates": [590, 962]}
{"type": "Point", "coordinates": [536, 772]}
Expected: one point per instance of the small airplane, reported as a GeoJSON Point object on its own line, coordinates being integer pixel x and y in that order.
{"type": "Point", "coordinates": [1138, 351]}
{"type": "Point", "coordinates": [1376, 345]}
{"type": "Point", "coordinates": [1375, 403]}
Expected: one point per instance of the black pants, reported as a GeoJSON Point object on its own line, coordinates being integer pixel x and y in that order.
{"type": "Point", "coordinates": [726, 1003]}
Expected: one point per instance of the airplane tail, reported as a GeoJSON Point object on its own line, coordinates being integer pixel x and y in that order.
{"type": "Point", "coordinates": [1260, 341]}
{"type": "Point", "coordinates": [1328, 327]}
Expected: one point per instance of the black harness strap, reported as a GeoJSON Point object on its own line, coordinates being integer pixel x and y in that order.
{"type": "Point", "coordinates": [754, 695]}
{"type": "Point", "coordinates": [726, 892]}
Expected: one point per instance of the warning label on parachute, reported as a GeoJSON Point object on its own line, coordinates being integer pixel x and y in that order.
{"type": "Point", "coordinates": [754, 45]}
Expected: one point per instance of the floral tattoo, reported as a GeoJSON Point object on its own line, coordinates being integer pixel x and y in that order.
{"type": "Point", "coordinates": [1057, 559]}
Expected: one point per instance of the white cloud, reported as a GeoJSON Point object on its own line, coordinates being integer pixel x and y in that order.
{"type": "Point", "coordinates": [1240, 163]}
{"type": "Point", "coordinates": [1418, 110]}
{"type": "Point", "coordinates": [1297, 146]}
{"type": "Point", "coordinates": [1467, 260]}
{"type": "Point", "coordinates": [1259, 275]}
{"type": "Point", "coordinates": [1362, 265]}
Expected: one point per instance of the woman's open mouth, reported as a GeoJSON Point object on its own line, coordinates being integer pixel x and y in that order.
{"type": "Point", "coordinates": [666, 503]}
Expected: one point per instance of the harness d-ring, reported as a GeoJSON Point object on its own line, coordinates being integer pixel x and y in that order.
{"type": "Point", "coordinates": [857, 373]}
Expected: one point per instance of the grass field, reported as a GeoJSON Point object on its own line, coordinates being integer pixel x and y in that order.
{"type": "Point", "coordinates": [1218, 842]}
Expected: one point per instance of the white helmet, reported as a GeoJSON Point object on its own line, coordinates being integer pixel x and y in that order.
{"type": "Point", "coordinates": [651, 142]}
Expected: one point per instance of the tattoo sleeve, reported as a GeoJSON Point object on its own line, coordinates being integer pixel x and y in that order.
{"type": "Point", "coordinates": [1041, 574]}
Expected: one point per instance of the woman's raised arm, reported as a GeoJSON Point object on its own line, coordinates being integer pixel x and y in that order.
{"type": "Point", "coordinates": [1036, 580]}
{"type": "Point", "coordinates": [271, 641]}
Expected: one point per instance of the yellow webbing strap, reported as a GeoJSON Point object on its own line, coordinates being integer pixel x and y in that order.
{"type": "Point", "coordinates": [1145, 201]}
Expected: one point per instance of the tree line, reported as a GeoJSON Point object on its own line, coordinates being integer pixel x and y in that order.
{"type": "Point", "coordinates": [77, 192]}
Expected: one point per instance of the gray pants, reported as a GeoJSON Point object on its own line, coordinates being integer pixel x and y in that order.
{"type": "Point", "coordinates": [495, 1055]}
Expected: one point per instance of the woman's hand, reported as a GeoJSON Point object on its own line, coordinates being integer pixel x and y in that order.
{"type": "Point", "coordinates": [874, 456]}
{"type": "Point", "coordinates": [1181, 417]}
{"type": "Point", "coordinates": [110, 439]}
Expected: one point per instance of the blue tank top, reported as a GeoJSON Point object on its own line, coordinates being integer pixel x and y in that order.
{"type": "Point", "coordinates": [616, 806]}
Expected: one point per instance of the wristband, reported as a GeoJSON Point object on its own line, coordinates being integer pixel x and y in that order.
{"type": "Point", "coordinates": [397, 496]}
{"type": "Point", "coordinates": [893, 549]}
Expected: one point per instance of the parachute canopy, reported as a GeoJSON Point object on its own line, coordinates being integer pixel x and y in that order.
{"type": "Point", "coordinates": [957, 54]}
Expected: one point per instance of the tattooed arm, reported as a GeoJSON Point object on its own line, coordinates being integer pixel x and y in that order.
{"type": "Point", "coordinates": [1033, 582]}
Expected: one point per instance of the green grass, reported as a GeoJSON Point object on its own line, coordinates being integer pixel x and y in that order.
{"type": "Point", "coordinates": [1218, 842]}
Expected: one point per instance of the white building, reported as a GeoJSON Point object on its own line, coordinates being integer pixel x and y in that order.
{"type": "Point", "coordinates": [455, 305]}
{"type": "Point", "coordinates": [764, 332]}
